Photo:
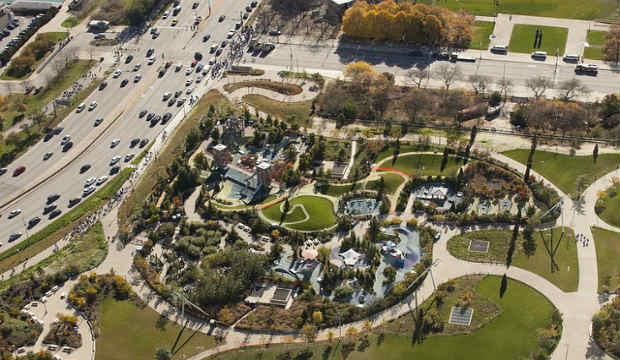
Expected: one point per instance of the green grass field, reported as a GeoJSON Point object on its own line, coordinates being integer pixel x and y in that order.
{"type": "Point", "coordinates": [566, 278]}
{"type": "Point", "coordinates": [570, 9]}
{"type": "Point", "coordinates": [563, 170]}
{"type": "Point", "coordinates": [611, 208]}
{"type": "Point", "coordinates": [70, 22]}
{"type": "Point", "coordinates": [291, 112]}
{"type": "Point", "coordinates": [422, 165]}
{"type": "Point", "coordinates": [391, 183]}
{"type": "Point", "coordinates": [607, 253]}
{"type": "Point", "coordinates": [129, 332]}
{"type": "Point", "coordinates": [339, 190]}
{"type": "Point", "coordinates": [522, 39]}
{"type": "Point", "coordinates": [596, 40]}
{"type": "Point", "coordinates": [320, 210]}
{"type": "Point", "coordinates": [482, 31]}
{"type": "Point", "coordinates": [512, 334]}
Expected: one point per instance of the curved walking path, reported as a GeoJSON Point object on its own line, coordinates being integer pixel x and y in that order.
{"type": "Point", "coordinates": [590, 196]}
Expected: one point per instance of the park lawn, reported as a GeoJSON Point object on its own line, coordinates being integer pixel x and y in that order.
{"type": "Point", "coordinates": [522, 39]}
{"type": "Point", "coordinates": [70, 22]}
{"type": "Point", "coordinates": [158, 167]}
{"type": "Point", "coordinates": [51, 36]}
{"type": "Point", "coordinates": [611, 208]}
{"type": "Point", "coordinates": [566, 278]}
{"type": "Point", "coordinates": [391, 183]}
{"type": "Point", "coordinates": [290, 112]}
{"type": "Point", "coordinates": [480, 39]}
{"type": "Point", "coordinates": [596, 40]}
{"type": "Point", "coordinates": [320, 210]}
{"type": "Point", "coordinates": [339, 190]}
{"type": "Point", "coordinates": [422, 165]}
{"type": "Point", "coordinates": [607, 254]}
{"type": "Point", "coordinates": [128, 332]}
{"type": "Point", "coordinates": [569, 9]}
{"type": "Point", "coordinates": [404, 148]}
{"type": "Point", "coordinates": [56, 230]}
{"type": "Point", "coordinates": [563, 170]}
{"type": "Point", "coordinates": [275, 86]}
{"type": "Point", "coordinates": [274, 213]}
{"type": "Point", "coordinates": [512, 332]}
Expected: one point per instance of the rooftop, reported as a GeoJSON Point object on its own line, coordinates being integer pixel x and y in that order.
{"type": "Point", "coordinates": [220, 147]}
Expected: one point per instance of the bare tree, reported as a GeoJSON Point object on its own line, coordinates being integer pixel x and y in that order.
{"type": "Point", "coordinates": [479, 83]}
{"type": "Point", "coordinates": [538, 85]}
{"type": "Point", "coordinates": [418, 75]}
{"type": "Point", "coordinates": [448, 74]}
{"type": "Point", "coordinates": [571, 88]}
{"type": "Point", "coordinates": [505, 85]}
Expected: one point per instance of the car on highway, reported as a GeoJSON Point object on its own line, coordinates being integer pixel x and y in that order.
{"type": "Point", "coordinates": [142, 113]}
{"type": "Point", "coordinates": [54, 213]}
{"type": "Point", "coordinates": [19, 171]}
{"type": "Point", "coordinates": [101, 180]}
{"type": "Point", "coordinates": [155, 120]}
{"type": "Point", "coordinates": [171, 101]}
{"type": "Point", "coordinates": [205, 71]}
{"type": "Point", "coordinates": [588, 69]}
{"type": "Point", "coordinates": [212, 61]}
{"type": "Point", "coordinates": [89, 181]}
{"type": "Point", "coordinates": [136, 67]}
{"type": "Point", "coordinates": [143, 142]}
{"type": "Point", "coordinates": [103, 85]}
{"type": "Point", "coordinates": [224, 43]}
{"type": "Point", "coordinates": [14, 213]}
{"type": "Point", "coordinates": [178, 67]}
{"type": "Point", "coordinates": [124, 82]}
{"type": "Point", "coordinates": [222, 18]}
{"type": "Point", "coordinates": [65, 139]}
{"type": "Point", "coordinates": [150, 116]}
{"type": "Point", "coordinates": [137, 78]}
{"type": "Point", "coordinates": [275, 32]}
{"type": "Point", "coordinates": [128, 59]}
{"type": "Point", "coordinates": [134, 142]}
{"type": "Point", "coordinates": [115, 160]}
{"type": "Point", "coordinates": [188, 82]}
{"type": "Point", "coordinates": [166, 96]}
{"type": "Point", "coordinates": [89, 190]}
{"type": "Point", "coordinates": [116, 73]}
{"type": "Point", "coordinates": [74, 201]}
{"type": "Point", "coordinates": [92, 106]}
{"type": "Point", "coordinates": [178, 93]}
{"type": "Point", "coordinates": [188, 71]}
{"type": "Point", "coordinates": [66, 147]}
{"type": "Point", "coordinates": [114, 169]}
{"type": "Point", "coordinates": [198, 79]}
{"type": "Point", "coordinates": [150, 52]}
{"type": "Point", "coordinates": [98, 121]}
{"type": "Point", "coordinates": [230, 34]}
{"type": "Point", "coordinates": [129, 157]}
{"type": "Point", "coordinates": [180, 101]}
{"type": "Point", "coordinates": [47, 155]}
{"type": "Point", "coordinates": [3, 171]}
{"type": "Point", "coordinates": [80, 108]}
{"type": "Point", "coordinates": [115, 142]}
{"type": "Point", "coordinates": [14, 236]}
{"type": "Point", "coordinates": [84, 168]}
{"type": "Point", "coordinates": [150, 60]}
{"type": "Point", "coordinates": [206, 37]}
{"type": "Point", "coordinates": [245, 16]}
{"type": "Point", "coordinates": [195, 4]}
{"type": "Point", "coordinates": [52, 197]}
{"type": "Point", "coordinates": [189, 90]}
{"type": "Point", "coordinates": [49, 208]}
{"type": "Point", "coordinates": [174, 22]}
{"type": "Point", "coordinates": [539, 55]}
{"type": "Point", "coordinates": [165, 15]}
{"type": "Point", "coordinates": [199, 67]}
{"type": "Point", "coordinates": [213, 48]}
{"type": "Point", "coordinates": [48, 137]}
{"type": "Point", "coordinates": [34, 221]}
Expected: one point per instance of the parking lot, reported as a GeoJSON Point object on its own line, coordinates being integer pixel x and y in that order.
{"type": "Point", "coordinates": [23, 22]}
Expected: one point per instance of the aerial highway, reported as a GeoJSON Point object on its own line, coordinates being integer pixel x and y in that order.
{"type": "Point", "coordinates": [120, 108]}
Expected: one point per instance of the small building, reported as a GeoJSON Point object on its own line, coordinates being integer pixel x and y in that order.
{"type": "Point", "coordinates": [221, 156]}
{"type": "Point", "coordinates": [351, 257]}
{"type": "Point", "coordinates": [98, 25]}
{"type": "Point", "coordinates": [263, 174]}
{"type": "Point", "coordinates": [34, 6]}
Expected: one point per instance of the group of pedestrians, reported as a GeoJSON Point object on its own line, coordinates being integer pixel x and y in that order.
{"type": "Point", "coordinates": [583, 239]}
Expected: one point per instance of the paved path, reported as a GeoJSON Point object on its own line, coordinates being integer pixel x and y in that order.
{"type": "Point", "coordinates": [591, 195]}
{"type": "Point", "coordinates": [351, 161]}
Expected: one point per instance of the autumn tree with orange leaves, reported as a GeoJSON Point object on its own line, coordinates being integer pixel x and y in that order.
{"type": "Point", "coordinates": [418, 24]}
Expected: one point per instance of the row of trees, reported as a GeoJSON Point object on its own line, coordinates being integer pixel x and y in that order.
{"type": "Point", "coordinates": [408, 22]}
{"type": "Point", "coordinates": [610, 47]}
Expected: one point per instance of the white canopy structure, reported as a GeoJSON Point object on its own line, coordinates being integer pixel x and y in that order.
{"type": "Point", "coordinates": [350, 257]}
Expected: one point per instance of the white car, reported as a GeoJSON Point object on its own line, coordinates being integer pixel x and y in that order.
{"type": "Point", "coordinates": [212, 61]}
{"type": "Point", "coordinates": [129, 157]}
{"type": "Point", "coordinates": [151, 60]}
{"type": "Point", "coordinates": [115, 142]}
{"type": "Point", "coordinates": [230, 34]}
{"type": "Point", "coordinates": [89, 190]}
{"type": "Point", "coordinates": [101, 180]}
{"type": "Point", "coordinates": [14, 213]}
{"type": "Point", "coordinates": [80, 108]}
{"type": "Point", "coordinates": [165, 15]}
{"type": "Point", "coordinates": [136, 67]}
{"type": "Point", "coordinates": [47, 155]}
{"type": "Point", "coordinates": [92, 106]}
{"type": "Point", "coordinates": [137, 78]}
{"type": "Point", "coordinates": [115, 160]}
{"type": "Point", "coordinates": [166, 96]}
{"type": "Point", "coordinates": [189, 90]}
{"type": "Point", "coordinates": [89, 182]}
{"type": "Point", "coordinates": [188, 82]}
{"type": "Point", "coordinates": [188, 72]}
{"type": "Point", "coordinates": [65, 139]}
{"type": "Point", "coordinates": [116, 73]}
{"type": "Point", "coordinates": [178, 67]}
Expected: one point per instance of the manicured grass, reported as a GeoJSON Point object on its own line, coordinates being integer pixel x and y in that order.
{"type": "Point", "coordinates": [563, 170]}
{"type": "Point", "coordinates": [510, 335]}
{"type": "Point", "coordinates": [596, 40]}
{"type": "Point", "coordinates": [482, 31]}
{"type": "Point", "coordinates": [321, 213]}
{"type": "Point", "coordinates": [607, 253]}
{"type": "Point", "coordinates": [276, 86]}
{"type": "Point", "coordinates": [70, 22]}
{"type": "Point", "coordinates": [570, 9]}
{"type": "Point", "coordinates": [391, 183]}
{"type": "Point", "coordinates": [610, 204]}
{"type": "Point", "coordinates": [522, 39]}
{"type": "Point", "coordinates": [129, 332]}
{"type": "Point", "coordinates": [53, 232]}
{"type": "Point", "coordinates": [404, 148]}
{"type": "Point", "coordinates": [566, 277]}
{"type": "Point", "coordinates": [422, 165]}
{"type": "Point", "coordinates": [339, 190]}
{"type": "Point", "coordinates": [157, 168]}
{"type": "Point", "coordinates": [291, 112]}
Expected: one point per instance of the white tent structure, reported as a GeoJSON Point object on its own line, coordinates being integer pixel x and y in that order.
{"type": "Point", "coordinates": [350, 257]}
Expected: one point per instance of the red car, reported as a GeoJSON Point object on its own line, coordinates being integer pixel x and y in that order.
{"type": "Point", "coordinates": [19, 170]}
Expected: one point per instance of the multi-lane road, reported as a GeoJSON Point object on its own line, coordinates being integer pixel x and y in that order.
{"type": "Point", "coordinates": [120, 108]}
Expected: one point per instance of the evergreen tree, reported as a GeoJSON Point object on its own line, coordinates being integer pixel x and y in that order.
{"type": "Point", "coordinates": [595, 153]}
